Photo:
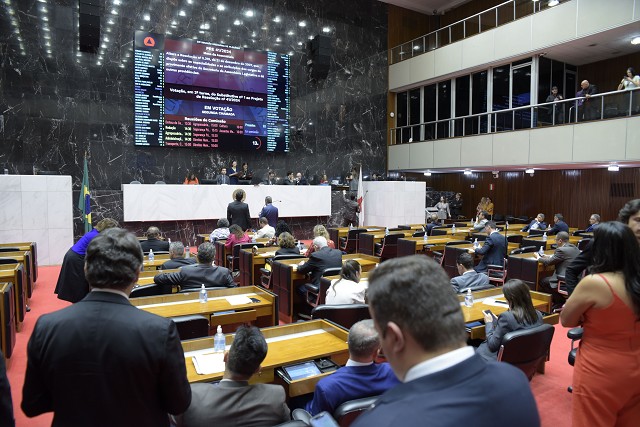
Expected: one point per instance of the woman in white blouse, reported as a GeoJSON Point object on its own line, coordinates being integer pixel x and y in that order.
{"type": "Point", "coordinates": [347, 289]}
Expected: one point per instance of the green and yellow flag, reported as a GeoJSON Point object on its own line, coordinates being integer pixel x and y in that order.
{"type": "Point", "coordinates": [84, 202]}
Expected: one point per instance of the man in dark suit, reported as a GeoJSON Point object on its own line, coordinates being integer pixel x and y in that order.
{"type": "Point", "coordinates": [6, 405]}
{"type": "Point", "coordinates": [194, 276]}
{"type": "Point", "coordinates": [360, 377]}
{"type": "Point", "coordinates": [421, 326]}
{"type": "Point", "coordinates": [558, 225]}
{"type": "Point", "coordinates": [288, 180]}
{"type": "Point", "coordinates": [350, 210]}
{"type": "Point", "coordinates": [269, 211]}
{"type": "Point", "coordinates": [270, 179]}
{"type": "Point", "coordinates": [469, 278]}
{"type": "Point", "coordinates": [176, 253]}
{"type": "Point", "coordinates": [102, 361]}
{"type": "Point", "coordinates": [536, 224]}
{"type": "Point", "coordinates": [322, 258]}
{"type": "Point", "coordinates": [238, 211]}
{"type": "Point", "coordinates": [561, 258]}
{"type": "Point", "coordinates": [153, 241]}
{"type": "Point", "coordinates": [223, 178]}
{"type": "Point", "coordinates": [588, 109]}
{"type": "Point", "coordinates": [233, 401]}
{"type": "Point", "coordinates": [494, 248]}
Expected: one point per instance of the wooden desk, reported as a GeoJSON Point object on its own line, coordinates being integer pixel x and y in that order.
{"type": "Point", "coordinates": [263, 313]}
{"type": "Point", "coordinates": [337, 232]}
{"type": "Point", "coordinates": [250, 264]}
{"type": "Point", "coordinates": [15, 273]}
{"type": "Point", "coordinates": [288, 344]}
{"type": "Point", "coordinates": [26, 246]}
{"type": "Point", "coordinates": [286, 278]}
{"type": "Point", "coordinates": [541, 301]}
{"type": "Point", "coordinates": [416, 245]}
{"type": "Point", "coordinates": [527, 268]}
{"type": "Point", "coordinates": [23, 257]}
{"type": "Point", "coordinates": [7, 318]}
{"type": "Point", "coordinates": [368, 240]}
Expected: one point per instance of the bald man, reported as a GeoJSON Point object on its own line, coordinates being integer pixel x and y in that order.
{"type": "Point", "coordinates": [153, 241]}
{"type": "Point", "coordinates": [587, 108]}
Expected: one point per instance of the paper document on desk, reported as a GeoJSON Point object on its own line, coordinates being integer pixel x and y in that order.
{"type": "Point", "coordinates": [238, 299]}
{"type": "Point", "coordinates": [493, 302]}
{"type": "Point", "coordinates": [210, 363]}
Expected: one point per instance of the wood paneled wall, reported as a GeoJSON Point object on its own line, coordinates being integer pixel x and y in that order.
{"type": "Point", "coordinates": [606, 75]}
{"type": "Point", "coordinates": [468, 9]}
{"type": "Point", "coordinates": [405, 25]}
{"type": "Point", "coordinates": [573, 192]}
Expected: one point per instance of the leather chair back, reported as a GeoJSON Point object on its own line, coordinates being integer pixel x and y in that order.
{"type": "Point", "coordinates": [146, 291]}
{"type": "Point", "coordinates": [8, 249]}
{"type": "Point", "coordinates": [347, 413]}
{"type": "Point", "coordinates": [344, 315]}
{"type": "Point", "coordinates": [390, 246]}
{"type": "Point", "coordinates": [527, 348]}
{"type": "Point", "coordinates": [192, 326]}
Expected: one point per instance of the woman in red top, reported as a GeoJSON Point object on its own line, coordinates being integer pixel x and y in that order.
{"type": "Point", "coordinates": [191, 179]}
{"type": "Point", "coordinates": [236, 235]}
{"type": "Point", "coordinates": [318, 231]}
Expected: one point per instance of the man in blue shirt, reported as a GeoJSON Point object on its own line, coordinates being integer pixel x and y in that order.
{"type": "Point", "coordinates": [269, 211]}
{"type": "Point", "coordinates": [360, 377]}
{"type": "Point", "coordinates": [559, 224]}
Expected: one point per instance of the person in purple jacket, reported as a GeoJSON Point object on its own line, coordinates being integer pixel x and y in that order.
{"type": "Point", "coordinates": [72, 285]}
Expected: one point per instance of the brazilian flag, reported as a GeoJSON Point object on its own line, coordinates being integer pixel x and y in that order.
{"type": "Point", "coordinates": [84, 202]}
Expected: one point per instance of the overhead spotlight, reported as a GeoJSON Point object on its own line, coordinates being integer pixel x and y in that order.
{"type": "Point", "coordinates": [635, 40]}
{"type": "Point", "coordinates": [613, 168]}
{"type": "Point", "coordinates": [116, 2]}
{"type": "Point", "coordinates": [147, 17]}
{"type": "Point", "coordinates": [114, 12]}
{"type": "Point", "coordinates": [276, 19]}
{"type": "Point", "coordinates": [530, 171]}
{"type": "Point", "coordinates": [290, 33]}
{"type": "Point", "coordinates": [182, 13]}
{"type": "Point", "coordinates": [220, 7]}
{"type": "Point", "coordinates": [249, 13]}
{"type": "Point", "coordinates": [326, 29]}
{"type": "Point", "coordinates": [467, 172]}
{"type": "Point", "coordinates": [427, 174]}
{"type": "Point", "coordinates": [553, 3]}
{"type": "Point", "coordinates": [278, 39]}
{"type": "Point", "coordinates": [302, 23]}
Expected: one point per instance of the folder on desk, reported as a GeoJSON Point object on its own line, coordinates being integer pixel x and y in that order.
{"type": "Point", "coordinates": [210, 363]}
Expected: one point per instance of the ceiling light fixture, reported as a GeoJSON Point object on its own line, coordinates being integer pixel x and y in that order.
{"type": "Point", "coordinates": [249, 13]}
{"type": "Point", "coordinates": [302, 23]}
{"type": "Point", "coordinates": [147, 17]}
{"type": "Point", "coordinates": [326, 29]}
{"type": "Point", "coordinates": [467, 172]}
{"type": "Point", "coordinates": [613, 168]}
{"type": "Point", "coordinates": [635, 40]}
{"type": "Point", "coordinates": [182, 13]}
{"type": "Point", "coordinates": [427, 174]}
{"type": "Point", "coordinates": [220, 7]}
{"type": "Point", "coordinates": [530, 171]}
{"type": "Point", "coordinates": [553, 3]}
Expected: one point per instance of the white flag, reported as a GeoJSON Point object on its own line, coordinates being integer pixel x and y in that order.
{"type": "Point", "coordinates": [360, 199]}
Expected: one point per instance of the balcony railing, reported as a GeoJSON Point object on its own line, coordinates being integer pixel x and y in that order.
{"type": "Point", "coordinates": [575, 110]}
{"type": "Point", "coordinates": [489, 19]}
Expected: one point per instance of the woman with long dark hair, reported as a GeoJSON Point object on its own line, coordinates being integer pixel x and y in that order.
{"type": "Point", "coordinates": [521, 315]}
{"type": "Point", "coordinates": [347, 289]}
{"type": "Point", "coordinates": [606, 377]}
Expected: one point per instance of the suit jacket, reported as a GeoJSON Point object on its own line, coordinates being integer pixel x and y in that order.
{"type": "Point", "coordinates": [479, 226]}
{"type": "Point", "coordinates": [320, 261]}
{"type": "Point", "coordinates": [193, 276]}
{"type": "Point", "coordinates": [155, 244]}
{"type": "Point", "coordinates": [458, 396]}
{"type": "Point", "coordinates": [558, 227]}
{"type": "Point", "coordinates": [177, 263]}
{"type": "Point", "coordinates": [507, 322]}
{"type": "Point", "coordinates": [222, 179]}
{"type": "Point", "coordinates": [235, 403]}
{"type": "Point", "coordinates": [541, 225]}
{"type": "Point", "coordinates": [6, 406]}
{"type": "Point", "coordinates": [561, 258]}
{"type": "Point", "coordinates": [350, 212]}
{"type": "Point", "coordinates": [473, 280]}
{"type": "Point", "coordinates": [576, 267]}
{"type": "Point", "coordinates": [494, 251]}
{"type": "Point", "coordinates": [351, 382]}
{"type": "Point", "coordinates": [271, 213]}
{"type": "Point", "coordinates": [238, 213]}
{"type": "Point", "coordinates": [104, 362]}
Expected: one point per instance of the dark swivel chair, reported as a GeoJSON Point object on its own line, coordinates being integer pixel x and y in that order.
{"type": "Point", "coordinates": [527, 349]}
{"type": "Point", "coordinates": [344, 315]}
{"type": "Point", "coordinates": [191, 326]}
{"type": "Point", "coordinates": [347, 413]}
{"type": "Point", "coordinates": [265, 274]}
{"type": "Point", "coordinates": [316, 294]}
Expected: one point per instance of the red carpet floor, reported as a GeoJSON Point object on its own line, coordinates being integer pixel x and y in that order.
{"type": "Point", "coordinates": [550, 389]}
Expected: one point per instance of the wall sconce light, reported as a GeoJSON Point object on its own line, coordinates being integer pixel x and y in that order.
{"type": "Point", "coordinates": [530, 171]}
{"type": "Point", "coordinates": [467, 172]}
{"type": "Point", "coordinates": [613, 168]}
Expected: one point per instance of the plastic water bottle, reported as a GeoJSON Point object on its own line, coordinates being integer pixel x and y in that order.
{"type": "Point", "coordinates": [507, 224]}
{"type": "Point", "coordinates": [169, 240]}
{"type": "Point", "coordinates": [187, 252]}
{"type": "Point", "coordinates": [386, 231]}
{"type": "Point", "coordinates": [453, 229]}
{"type": "Point", "coordinates": [203, 294]}
{"type": "Point", "coordinates": [350, 226]}
{"type": "Point", "coordinates": [425, 237]}
{"type": "Point", "coordinates": [544, 237]}
{"type": "Point", "coordinates": [468, 298]}
{"type": "Point", "coordinates": [476, 244]}
{"type": "Point", "coordinates": [541, 251]}
{"type": "Point", "coordinates": [218, 340]}
{"type": "Point", "coordinates": [152, 257]}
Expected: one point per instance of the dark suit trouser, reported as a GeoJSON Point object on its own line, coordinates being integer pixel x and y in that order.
{"type": "Point", "coordinates": [545, 286]}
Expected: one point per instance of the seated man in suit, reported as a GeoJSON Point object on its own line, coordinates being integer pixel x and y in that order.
{"type": "Point", "coordinates": [594, 221]}
{"type": "Point", "coordinates": [233, 401]}
{"type": "Point", "coordinates": [469, 278]}
{"type": "Point", "coordinates": [194, 276]}
{"type": "Point", "coordinates": [176, 253]}
{"type": "Point", "coordinates": [360, 377]}
{"type": "Point", "coordinates": [478, 226]}
{"type": "Point", "coordinates": [222, 178]}
{"type": "Point", "coordinates": [563, 256]}
{"type": "Point", "coordinates": [153, 241]}
{"type": "Point", "coordinates": [265, 231]}
{"type": "Point", "coordinates": [494, 249]}
{"type": "Point", "coordinates": [288, 180]}
{"type": "Point", "coordinates": [558, 225]}
{"type": "Point", "coordinates": [102, 361]}
{"type": "Point", "coordinates": [536, 224]}
{"type": "Point", "coordinates": [322, 258]}
{"type": "Point", "coordinates": [422, 334]}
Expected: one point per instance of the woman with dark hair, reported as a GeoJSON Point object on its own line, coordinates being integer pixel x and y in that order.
{"type": "Point", "coordinates": [347, 289]}
{"type": "Point", "coordinates": [191, 179]}
{"type": "Point", "coordinates": [630, 80]}
{"type": "Point", "coordinates": [232, 172]}
{"type": "Point", "coordinates": [245, 174]}
{"type": "Point", "coordinates": [222, 232]}
{"type": "Point", "coordinates": [72, 285]}
{"type": "Point", "coordinates": [236, 235]}
{"type": "Point", "coordinates": [521, 315]}
{"type": "Point", "coordinates": [606, 378]}
{"type": "Point", "coordinates": [287, 244]}
{"type": "Point", "coordinates": [281, 227]}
